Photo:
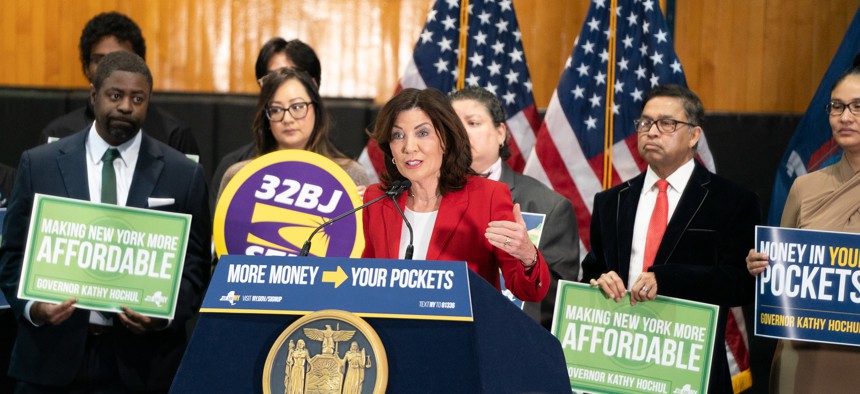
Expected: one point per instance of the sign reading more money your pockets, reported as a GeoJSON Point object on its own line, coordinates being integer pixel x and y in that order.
{"type": "Point", "coordinates": [811, 290]}
{"type": "Point", "coordinates": [104, 255]}
{"type": "Point", "coordinates": [660, 346]}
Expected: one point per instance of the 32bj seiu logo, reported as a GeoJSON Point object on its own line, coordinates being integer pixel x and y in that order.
{"type": "Point", "coordinates": [273, 204]}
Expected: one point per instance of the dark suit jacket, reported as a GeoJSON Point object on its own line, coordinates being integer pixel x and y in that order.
{"type": "Point", "coordinates": [51, 355]}
{"type": "Point", "coordinates": [458, 235]}
{"type": "Point", "coordinates": [701, 256]}
{"type": "Point", "coordinates": [159, 124]}
{"type": "Point", "coordinates": [559, 242]}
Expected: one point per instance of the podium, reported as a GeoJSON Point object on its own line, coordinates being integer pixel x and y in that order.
{"type": "Point", "coordinates": [501, 351]}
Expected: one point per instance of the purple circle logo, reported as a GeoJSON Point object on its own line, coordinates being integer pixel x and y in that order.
{"type": "Point", "coordinates": [272, 205]}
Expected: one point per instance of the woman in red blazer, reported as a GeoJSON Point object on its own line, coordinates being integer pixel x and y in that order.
{"type": "Point", "coordinates": [455, 213]}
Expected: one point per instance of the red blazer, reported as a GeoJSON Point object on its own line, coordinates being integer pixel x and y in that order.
{"type": "Point", "coordinates": [458, 235]}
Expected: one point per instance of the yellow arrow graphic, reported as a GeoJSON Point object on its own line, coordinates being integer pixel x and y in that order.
{"type": "Point", "coordinates": [336, 277]}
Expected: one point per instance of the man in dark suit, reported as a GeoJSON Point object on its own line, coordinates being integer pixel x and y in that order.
{"type": "Point", "coordinates": [676, 230]}
{"type": "Point", "coordinates": [103, 34]}
{"type": "Point", "coordinates": [63, 349]}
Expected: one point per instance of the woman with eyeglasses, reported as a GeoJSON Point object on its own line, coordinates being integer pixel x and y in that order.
{"type": "Point", "coordinates": [291, 115]}
{"type": "Point", "coordinates": [828, 200]}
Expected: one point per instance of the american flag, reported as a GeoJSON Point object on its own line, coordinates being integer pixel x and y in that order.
{"type": "Point", "coordinates": [570, 148]}
{"type": "Point", "coordinates": [494, 60]}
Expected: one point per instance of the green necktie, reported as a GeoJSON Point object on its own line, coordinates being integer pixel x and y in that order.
{"type": "Point", "coordinates": [109, 176]}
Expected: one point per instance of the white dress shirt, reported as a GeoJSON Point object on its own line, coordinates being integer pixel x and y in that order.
{"type": "Point", "coordinates": [422, 227]}
{"type": "Point", "coordinates": [647, 199]}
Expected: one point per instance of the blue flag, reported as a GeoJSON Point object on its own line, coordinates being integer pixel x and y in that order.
{"type": "Point", "coordinates": [812, 146]}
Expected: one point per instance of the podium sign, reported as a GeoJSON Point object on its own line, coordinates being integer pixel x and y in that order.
{"type": "Point", "coordinates": [437, 290]}
{"type": "Point", "coordinates": [659, 346]}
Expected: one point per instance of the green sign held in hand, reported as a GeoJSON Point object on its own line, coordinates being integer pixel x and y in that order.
{"type": "Point", "coordinates": [104, 255]}
{"type": "Point", "coordinates": [659, 346]}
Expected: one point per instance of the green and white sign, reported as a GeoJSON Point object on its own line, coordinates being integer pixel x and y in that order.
{"type": "Point", "coordinates": [105, 255]}
{"type": "Point", "coordinates": [659, 346]}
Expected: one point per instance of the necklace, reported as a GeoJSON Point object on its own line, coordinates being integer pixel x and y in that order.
{"type": "Point", "coordinates": [425, 199]}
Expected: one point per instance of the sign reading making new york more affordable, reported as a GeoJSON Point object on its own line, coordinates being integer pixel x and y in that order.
{"type": "Point", "coordinates": [811, 290]}
{"type": "Point", "coordinates": [104, 255]}
{"type": "Point", "coordinates": [659, 346]}
{"type": "Point", "coordinates": [435, 290]}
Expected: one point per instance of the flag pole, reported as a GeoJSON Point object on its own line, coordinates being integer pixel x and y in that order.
{"type": "Point", "coordinates": [464, 37]}
{"type": "Point", "coordinates": [609, 135]}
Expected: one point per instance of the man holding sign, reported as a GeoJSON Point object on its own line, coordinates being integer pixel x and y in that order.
{"type": "Point", "coordinates": [61, 347]}
{"type": "Point", "coordinates": [677, 229]}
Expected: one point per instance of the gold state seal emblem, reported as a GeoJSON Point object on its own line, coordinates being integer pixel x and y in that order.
{"type": "Point", "coordinates": [307, 358]}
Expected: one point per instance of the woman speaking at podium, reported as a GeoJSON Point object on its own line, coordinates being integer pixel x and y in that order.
{"type": "Point", "coordinates": [456, 214]}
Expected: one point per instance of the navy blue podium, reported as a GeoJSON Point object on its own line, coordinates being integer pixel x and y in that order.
{"type": "Point", "coordinates": [501, 351]}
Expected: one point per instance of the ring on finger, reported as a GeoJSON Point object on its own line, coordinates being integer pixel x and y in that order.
{"type": "Point", "coordinates": [644, 288]}
{"type": "Point", "coordinates": [507, 241]}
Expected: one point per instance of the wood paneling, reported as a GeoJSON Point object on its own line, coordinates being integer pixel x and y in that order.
{"type": "Point", "coordinates": [739, 55]}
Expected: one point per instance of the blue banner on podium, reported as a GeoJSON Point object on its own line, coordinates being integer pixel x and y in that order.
{"type": "Point", "coordinates": [436, 290]}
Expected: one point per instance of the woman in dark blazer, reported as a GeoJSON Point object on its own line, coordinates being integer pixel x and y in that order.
{"type": "Point", "coordinates": [455, 213]}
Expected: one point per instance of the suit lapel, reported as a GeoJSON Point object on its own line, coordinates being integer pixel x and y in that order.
{"type": "Point", "coordinates": [628, 201]}
{"type": "Point", "coordinates": [688, 206]}
{"type": "Point", "coordinates": [72, 164]}
{"type": "Point", "coordinates": [507, 177]}
{"type": "Point", "coordinates": [451, 211]}
{"type": "Point", "coordinates": [150, 163]}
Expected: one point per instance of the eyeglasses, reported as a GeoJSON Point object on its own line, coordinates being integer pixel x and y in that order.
{"type": "Point", "coordinates": [836, 108]}
{"type": "Point", "coordinates": [664, 126]}
{"type": "Point", "coordinates": [297, 111]}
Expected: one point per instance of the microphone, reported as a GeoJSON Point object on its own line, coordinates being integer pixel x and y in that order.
{"type": "Point", "coordinates": [393, 192]}
{"type": "Point", "coordinates": [406, 184]}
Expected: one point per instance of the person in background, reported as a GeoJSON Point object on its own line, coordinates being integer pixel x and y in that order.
{"type": "Point", "coordinates": [455, 213]}
{"type": "Point", "coordinates": [103, 34]}
{"type": "Point", "coordinates": [484, 117]}
{"type": "Point", "coordinates": [7, 179]}
{"type": "Point", "coordinates": [8, 328]}
{"type": "Point", "coordinates": [827, 200]}
{"type": "Point", "coordinates": [675, 230]}
{"type": "Point", "coordinates": [63, 349]}
{"type": "Point", "coordinates": [275, 54]}
{"type": "Point", "coordinates": [292, 115]}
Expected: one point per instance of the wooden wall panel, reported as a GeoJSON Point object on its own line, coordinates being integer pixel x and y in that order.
{"type": "Point", "coordinates": [739, 55]}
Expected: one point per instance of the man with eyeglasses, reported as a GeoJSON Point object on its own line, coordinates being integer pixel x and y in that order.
{"type": "Point", "coordinates": [675, 230]}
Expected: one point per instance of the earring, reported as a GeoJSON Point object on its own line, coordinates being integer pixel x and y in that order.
{"type": "Point", "coordinates": [392, 161]}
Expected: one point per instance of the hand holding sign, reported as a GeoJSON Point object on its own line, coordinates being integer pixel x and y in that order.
{"type": "Point", "coordinates": [53, 314]}
{"type": "Point", "coordinates": [645, 288]}
{"type": "Point", "coordinates": [756, 262]}
{"type": "Point", "coordinates": [140, 324]}
{"type": "Point", "coordinates": [611, 284]}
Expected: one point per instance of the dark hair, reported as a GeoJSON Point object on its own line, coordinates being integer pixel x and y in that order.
{"type": "Point", "coordinates": [493, 106]}
{"type": "Point", "coordinates": [457, 152]}
{"type": "Point", "coordinates": [110, 24]}
{"type": "Point", "coordinates": [299, 53]}
{"type": "Point", "coordinates": [120, 61]}
{"type": "Point", "coordinates": [693, 107]}
{"type": "Point", "coordinates": [318, 142]}
{"type": "Point", "coordinates": [854, 70]}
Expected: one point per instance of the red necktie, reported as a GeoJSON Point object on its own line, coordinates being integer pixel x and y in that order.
{"type": "Point", "coordinates": [657, 225]}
